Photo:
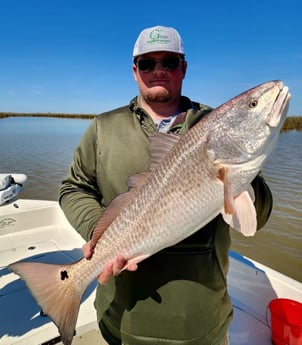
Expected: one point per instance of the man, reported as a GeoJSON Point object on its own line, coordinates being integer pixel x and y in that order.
{"type": "Point", "coordinates": [179, 295]}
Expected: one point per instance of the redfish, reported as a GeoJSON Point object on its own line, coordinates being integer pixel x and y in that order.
{"type": "Point", "coordinates": [193, 178]}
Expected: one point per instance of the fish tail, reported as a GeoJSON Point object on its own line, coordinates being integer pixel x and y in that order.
{"type": "Point", "coordinates": [57, 292]}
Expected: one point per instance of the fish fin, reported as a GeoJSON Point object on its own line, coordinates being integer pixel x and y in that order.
{"type": "Point", "coordinates": [135, 181]}
{"type": "Point", "coordinates": [56, 291]}
{"type": "Point", "coordinates": [160, 145]}
{"type": "Point", "coordinates": [251, 192]}
{"type": "Point", "coordinates": [135, 260]}
{"type": "Point", "coordinates": [108, 216]}
{"type": "Point", "coordinates": [115, 207]}
{"type": "Point", "coordinates": [229, 207]}
{"type": "Point", "coordinates": [244, 218]}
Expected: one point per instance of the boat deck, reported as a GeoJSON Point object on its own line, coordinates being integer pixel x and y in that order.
{"type": "Point", "coordinates": [247, 330]}
{"type": "Point", "coordinates": [92, 337]}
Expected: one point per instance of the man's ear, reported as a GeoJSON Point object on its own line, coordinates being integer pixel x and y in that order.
{"type": "Point", "coordinates": [184, 66]}
{"type": "Point", "coordinates": [134, 71]}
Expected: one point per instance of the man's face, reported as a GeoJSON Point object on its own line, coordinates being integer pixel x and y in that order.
{"type": "Point", "coordinates": [159, 76]}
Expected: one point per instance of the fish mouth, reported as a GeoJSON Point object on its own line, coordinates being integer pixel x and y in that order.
{"type": "Point", "coordinates": [280, 107]}
{"type": "Point", "coordinates": [270, 119]}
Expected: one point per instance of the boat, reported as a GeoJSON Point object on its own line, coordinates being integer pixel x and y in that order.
{"type": "Point", "coordinates": [10, 186]}
{"type": "Point", "coordinates": [38, 230]}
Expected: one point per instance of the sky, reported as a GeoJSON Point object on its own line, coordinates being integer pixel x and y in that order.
{"type": "Point", "coordinates": [75, 56]}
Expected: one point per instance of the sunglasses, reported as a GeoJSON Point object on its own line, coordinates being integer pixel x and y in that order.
{"type": "Point", "coordinates": [169, 63]}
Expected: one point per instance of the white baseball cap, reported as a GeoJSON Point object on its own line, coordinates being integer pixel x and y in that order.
{"type": "Point", "coordinates": [157, 39]}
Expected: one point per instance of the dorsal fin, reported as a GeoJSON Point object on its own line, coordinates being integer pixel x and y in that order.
{"type": "Point", "coordinates": [137, 180]}
{"type": "Point", "coordinates": [160, 145]}
{"type": "Point", "coordinates": [116, 206]}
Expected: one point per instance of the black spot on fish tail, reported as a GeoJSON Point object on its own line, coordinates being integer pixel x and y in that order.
{"type": "Point", "coordinates": [64, 275]}
{"type": "Point", "coordinates": [42, 313]}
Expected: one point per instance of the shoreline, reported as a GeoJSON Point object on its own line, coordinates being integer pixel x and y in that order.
{"type": "Point", "coordinates": [58, 115]}
{"type": "Point", "coordinates": [291, 122]}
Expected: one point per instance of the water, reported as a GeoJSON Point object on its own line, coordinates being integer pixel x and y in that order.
{"type": "Point", "coordinates": [42, 148]}
{"type": "Point", "coordinates": [279, 243]}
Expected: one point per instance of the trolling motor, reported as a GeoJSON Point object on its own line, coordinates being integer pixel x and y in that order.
{"type": "Point", "coordinates": [10, 186]}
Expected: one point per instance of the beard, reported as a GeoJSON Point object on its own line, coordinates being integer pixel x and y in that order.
{"type": "Point", "coordinates": [157, 94]}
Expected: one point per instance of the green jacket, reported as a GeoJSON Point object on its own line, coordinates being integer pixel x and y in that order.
{"type": "Point", "coordinates": [179, 295]}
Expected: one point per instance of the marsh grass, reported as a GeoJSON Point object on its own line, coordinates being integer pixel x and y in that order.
{"type": "Point", "coordinates": [291, 122]}
{"type": "Point", "coordinates": [59, 115]}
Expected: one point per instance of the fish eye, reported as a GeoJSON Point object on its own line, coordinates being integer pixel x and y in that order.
{"type": "Point", "coordinates": [253, 103]}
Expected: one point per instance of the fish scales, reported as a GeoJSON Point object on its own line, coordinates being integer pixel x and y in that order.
{"type": "Point", "coordinates": [170, 211]}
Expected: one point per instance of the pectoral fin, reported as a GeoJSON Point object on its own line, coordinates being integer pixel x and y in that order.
{"type": "Point", "coordinates": [244, 217]}
{"type": "Point", "coordinates": [229, 207]}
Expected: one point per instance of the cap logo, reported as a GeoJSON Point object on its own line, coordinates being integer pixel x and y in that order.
{"type": "Point", "coordinates": [156, 37]}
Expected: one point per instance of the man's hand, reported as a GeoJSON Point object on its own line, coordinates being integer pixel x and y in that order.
{"type": "Point", "coordinates": [87, 250]}
{"type": "Point", "coordinates": [112, 268]}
